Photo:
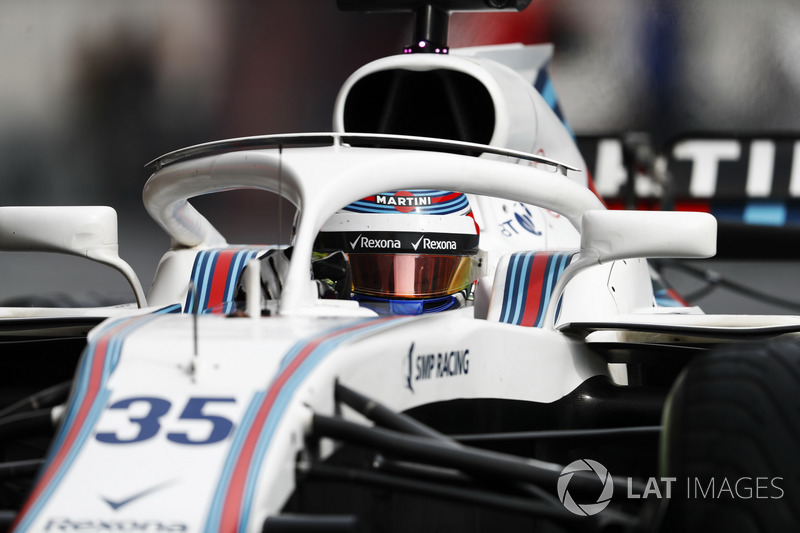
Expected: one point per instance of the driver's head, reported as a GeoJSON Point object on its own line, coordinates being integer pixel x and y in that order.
{"type": "Point", "coordinates": [410, 252]}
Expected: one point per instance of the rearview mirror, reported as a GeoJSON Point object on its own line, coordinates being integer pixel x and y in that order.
{"type": "Point", "coordinates": [612, 235]}
{"type": "Point", "coordinates": [85, 231]}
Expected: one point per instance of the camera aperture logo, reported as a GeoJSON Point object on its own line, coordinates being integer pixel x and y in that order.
{"type": "Point", "coordinates": [585, 509]}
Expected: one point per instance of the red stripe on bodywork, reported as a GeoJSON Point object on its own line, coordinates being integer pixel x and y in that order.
{"type": "Point", "coordinates": [216, 293]}
{"type": "Point", "coordinates": [445, 198]}
{"type": "Point", "coordinates": [231, 512]}
{"type": "Point", "coordinates": [92, 388]}
{"type": "Point", "coordinates": [677, 297]}
{"type": "Point", "coordinates": [534, 294]}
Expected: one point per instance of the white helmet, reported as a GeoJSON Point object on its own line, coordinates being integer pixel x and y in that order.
{"type": "Point", "coordinates": [410, 252]}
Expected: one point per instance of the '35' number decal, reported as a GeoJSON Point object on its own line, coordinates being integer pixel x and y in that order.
{"type": "Point", "coordinates": [150, 423]}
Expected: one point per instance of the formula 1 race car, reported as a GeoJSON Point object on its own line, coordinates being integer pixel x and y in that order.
{"type": "Point", "coordinates": [457, 336]}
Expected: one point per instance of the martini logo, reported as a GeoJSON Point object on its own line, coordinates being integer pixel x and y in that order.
{"type": "Point", "coordinates": [403, 201]}
{"type": "Point", "coordinates": [732, 169]}
{"type": "Point", "coordinates": [590, 508]}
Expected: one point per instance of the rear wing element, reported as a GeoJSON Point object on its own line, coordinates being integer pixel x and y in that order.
{"type": "Point", "coordinates": [749, 182]}
{"type": "Point", "coordinates": [744, 178]}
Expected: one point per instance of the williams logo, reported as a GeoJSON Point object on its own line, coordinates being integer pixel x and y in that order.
{"type": "Point", "coordinates": [585, 509]}
{"type": "Point", "coordinates": [427, 366]}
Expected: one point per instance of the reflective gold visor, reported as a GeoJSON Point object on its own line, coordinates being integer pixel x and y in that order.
{"type": "Point", "coordinates": [410, 276]}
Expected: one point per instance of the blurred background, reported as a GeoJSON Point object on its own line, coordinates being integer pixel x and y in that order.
{"type": "Point", "coordinates": [91, 90]}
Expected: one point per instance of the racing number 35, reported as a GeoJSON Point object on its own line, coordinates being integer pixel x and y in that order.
{"type": "Point", "coordinates": [150, 423]}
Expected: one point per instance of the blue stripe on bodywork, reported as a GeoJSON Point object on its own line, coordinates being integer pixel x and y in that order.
{"type": "Point", "coordinates": [239, 436]}
{"type": "Point", "coordinates": [202, 277]}
{"type": "Point", "coordinates": [78, 397]}
{"type": "Point", "coordinates": [275, 416]}
{"type": "Point", "coordinates": [523, 276]}
{"type": "Point", "coordinates": [511, 272]}
{"type": "Point", "coordinates": [518, 273]}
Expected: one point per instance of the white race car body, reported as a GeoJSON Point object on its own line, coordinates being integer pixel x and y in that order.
{"type": "Point", "coordinates": [203, 420]}
{"type": "Point", "coordinates": [195, 422]}
{"type": "Point", "coordinates": [214, 448]}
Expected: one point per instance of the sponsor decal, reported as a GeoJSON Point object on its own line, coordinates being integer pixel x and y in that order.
{"type": "Point", "coordinates": [521, 222]}
{"type": "Point", "coordinates": [755, 181]}
{"type": "Point", "coordinates": [431, 244]}
{"type": "Point", "coordinates": [387, 242]}
{"type": "Point", "coordinates": [367, 243]}
{"type": "Point", "coordinates": [410, 374]}
{"type": "Point", "coordinates": [420, 201]}
{"type": "Point", "coordinates": [436, 365]}
{"type": "Point", "coordinates": [82, 524]}
{"type": "Point", "coordinates": [117, 504]}
{"type": "Point", "coordinates": [754, 168]}
{"type": "Point", "coordinates": [403, 201]}
{"type": "Point", "coordinates": [751, 179]}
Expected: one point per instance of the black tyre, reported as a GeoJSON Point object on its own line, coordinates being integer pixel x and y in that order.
{"type": "Point", "coordinates": [732, 441]}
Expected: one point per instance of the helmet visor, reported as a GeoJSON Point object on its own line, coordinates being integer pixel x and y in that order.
{"type": "Point", "coordinates": [409, 275]}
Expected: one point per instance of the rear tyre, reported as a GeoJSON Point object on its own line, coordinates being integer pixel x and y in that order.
{"type": "Point", "coordinates": [732, 441]}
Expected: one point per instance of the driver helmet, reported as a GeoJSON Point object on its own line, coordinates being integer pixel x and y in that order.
{"type": "Point", "coordinates": [410, 252]}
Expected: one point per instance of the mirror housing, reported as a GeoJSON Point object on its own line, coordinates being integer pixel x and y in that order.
{"type": "Point", "coordinates": [612, 235]}
{"type": "Point", "coordinates": [84, 231]}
